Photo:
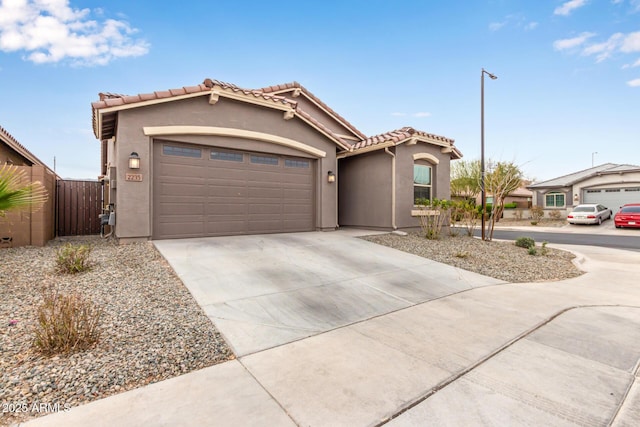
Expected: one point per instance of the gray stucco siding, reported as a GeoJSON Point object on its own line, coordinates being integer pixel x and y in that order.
{"type": "Point", "coordinates": [404, 180]}
{"type": "Point", "coordinates": [365, 190]}
{"type": "Point", "coordinates": [133, 199]}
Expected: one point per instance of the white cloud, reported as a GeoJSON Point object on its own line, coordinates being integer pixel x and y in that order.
{"type": "Point", "coordinates": [631, 43]}
{"type": "Point", "coordinates": [531, 25]}
{"type": "Point", "coordinates": [616, 1]}
{"type": "Point", "coordinates": [606, 49]}
{"type": "Point", "coordinates": [421, 114]}
{"type": "Point", "coordinates": [634, 83]}
{"type": "Point", "coordinates": [569, 7]}
{"type": "Point", "coordinates": [572, 42]}
{"type": "Point", "coordinates": [495, 26]}
{"type": "Point", "coordinates": [397, 114]}
{"type": "Point", "coordinates": [52, 31]}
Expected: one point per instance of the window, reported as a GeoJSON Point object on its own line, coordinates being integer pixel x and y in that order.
{"type": "Point", "coordinates": [421, 182]}
{"type": "Point", "coordinates": [171, 150]}
{"type": "Point", "coordinates": [264, 160]}
{"type": "Point", "coordinates": [228, 156]}
{"type": "Point", "coordinates": [554, 200]}
{"type": "Point", "coordinates": [290, 163]}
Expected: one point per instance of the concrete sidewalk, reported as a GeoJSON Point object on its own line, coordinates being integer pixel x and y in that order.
{"type": "Point", "coordinates": [559, 353]}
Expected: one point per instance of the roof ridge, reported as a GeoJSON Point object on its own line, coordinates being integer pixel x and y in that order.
{"type": "Point", "coordinates": [296, 85]}
{"type": "Point", "coordinates": [12, 139]}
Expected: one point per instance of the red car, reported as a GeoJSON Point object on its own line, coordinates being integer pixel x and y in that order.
{"type": "Point", "coordinates": [628, 216]}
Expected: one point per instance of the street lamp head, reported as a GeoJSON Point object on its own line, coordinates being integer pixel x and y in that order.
{"type": "Point", "coordinates": [492, 76]}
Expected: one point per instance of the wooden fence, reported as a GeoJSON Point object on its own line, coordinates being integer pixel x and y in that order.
{"type": "Point", "coordinates": [78, 205]}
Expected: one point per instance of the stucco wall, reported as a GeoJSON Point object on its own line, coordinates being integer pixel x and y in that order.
{"type": "Point", "coordinates": [364, 190]}
{"type": "Point", "coordinates": [133, 199]}
{"type": "Point", "coordinates": [404, 180]}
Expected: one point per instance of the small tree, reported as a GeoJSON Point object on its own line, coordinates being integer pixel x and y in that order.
{"type": "Point", "coordinates": [16, 192]}
{"type": "Point", "coordinates": [502, 179]}
{"type": "Point", "coordinates": [465, 179]}
{"type": "Point", "coordinates": [437, 213]}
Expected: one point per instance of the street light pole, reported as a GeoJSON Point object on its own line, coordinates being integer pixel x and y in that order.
{"type": "Point", "coordinates": [592, 158]}
{"type": "Point", "coordinates": [482, 173]}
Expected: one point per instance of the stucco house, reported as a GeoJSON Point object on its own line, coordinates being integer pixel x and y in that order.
{"type": "Point", "coordinates": [609, 184]}
{"type": "Point", "coordinates": [216, 159]}
{"type": "Point", "coordinates": [27, 227]}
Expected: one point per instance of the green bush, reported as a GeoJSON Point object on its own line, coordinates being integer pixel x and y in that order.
{"type": "Point", "coordinates": [71, 259]}
{"type": "Point", "coordinates": [512, 205]}
{"type": "Point", "coordinates": [532, 250]}
{"type": "Point", "coordinates": [66, 323]}
{"type": "Point", "coordinates": [525, 242]}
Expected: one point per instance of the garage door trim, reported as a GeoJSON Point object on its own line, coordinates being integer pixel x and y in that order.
{"type": "Point", "coordinates": [154, 131]}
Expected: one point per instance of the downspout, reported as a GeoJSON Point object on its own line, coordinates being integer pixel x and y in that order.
{"type": "Point", "coordinates": [393, 188]}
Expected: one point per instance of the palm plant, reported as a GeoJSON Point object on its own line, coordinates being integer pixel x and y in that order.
{"type": "Point", "coordinates": [16, 192]}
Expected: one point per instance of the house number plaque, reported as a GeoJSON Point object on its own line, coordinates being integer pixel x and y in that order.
{"type": "Point", "coordinates": [136, 177]}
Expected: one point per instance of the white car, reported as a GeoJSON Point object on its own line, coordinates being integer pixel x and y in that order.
{"type": "Point", "coordinates": [589, 214]}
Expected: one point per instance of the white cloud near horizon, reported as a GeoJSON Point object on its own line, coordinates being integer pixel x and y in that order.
{"type": "Point", "coordinates": [573, 42]}
{"type": "Point", "coordinates": [397, 114]}
{"type": "Point", "coordinates": [634, 83]}
{"type": "Point", "coordinates": [50, 31]}
{"type": "Point", "coordinates": [515, 20]}
{"type": "Point", "coordinates": [569, 7]}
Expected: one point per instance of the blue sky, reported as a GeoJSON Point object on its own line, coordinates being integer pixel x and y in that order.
{"type": "Point", "coordinates": [568, 70]}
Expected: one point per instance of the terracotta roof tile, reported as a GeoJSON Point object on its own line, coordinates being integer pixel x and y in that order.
{"type": "Point", "coordinates": [296, 85]}
{"type": "Point", "coordinates": [398, 135]}
{"type": "Point", "coordinates": [6, 137]}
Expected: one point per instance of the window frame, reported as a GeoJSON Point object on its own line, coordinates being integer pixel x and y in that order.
{"type": "Point", "coordinates": [419, 185]}
{"type": "Point", "coordinates": [180, 151]}
{"type": "Point", "coordinates": [555, 194]}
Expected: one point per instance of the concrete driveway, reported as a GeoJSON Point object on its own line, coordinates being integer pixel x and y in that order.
{"type": "Point", "coordinates": [267, 290]}
{"type": "Point", "coordinates": [527, 354]}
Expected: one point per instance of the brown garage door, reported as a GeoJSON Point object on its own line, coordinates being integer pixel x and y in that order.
{"type": "Point", "coordinates": [204, 191]}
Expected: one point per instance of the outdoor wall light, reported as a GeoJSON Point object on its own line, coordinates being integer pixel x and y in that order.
{"type": "Point", "coordinates": [331, 177]}
{"type": "Point", "coordinates": [134, 161]}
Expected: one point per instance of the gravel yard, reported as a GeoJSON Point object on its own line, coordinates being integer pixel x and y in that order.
{"type": "Point", "coordinates": [501, 260]}
{"type": "Point", "coordinates": [152, 328]}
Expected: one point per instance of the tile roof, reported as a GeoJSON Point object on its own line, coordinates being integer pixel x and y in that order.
{"type": "Point", "coordinates": [108, 120]}
{"type": "Point", "coordinates": [7, 138]}
{"type": "Point", "coordinates": [572, 178]}
{"type": "Point", "coordinates": [296, 85]}
{"type": "Point", "coordinates": [400, 135]}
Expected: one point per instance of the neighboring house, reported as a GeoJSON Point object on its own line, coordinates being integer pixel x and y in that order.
{"type": "Point", "coordinates": [216, 159]}
{"type": "Point", "coordinates": [25, 227]}
{"type": "Point", "coordinates": [522, 197]}
{"type": "Point", "coordinates": [609, 184]}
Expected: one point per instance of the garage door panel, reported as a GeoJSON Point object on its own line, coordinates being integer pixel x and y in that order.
{"type": "Point", "coordinates": [215, 197]}
{"type": "Point", "coordinates": [254, 176]}
{"type": "Point", "coordinates": [182, 189]}
{"type": "Point", "coordinates": [181, 171]}
{"type": "Point", "coordinates": [232, 191]}
{"type": "Point", "coordinates": [226, 227]}
{"type": "Point", "coordinates": [214, 209]}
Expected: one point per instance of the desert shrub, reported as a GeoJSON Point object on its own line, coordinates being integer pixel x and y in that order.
{"type": "Point", "coordinates": [544, 250]}
{"type": "Point", "coordinates": [532, 251]}
{"type": "Point", "coordinates": [512, 205]}
{"type": "Point", "coordinates": [537, 212]}
{"type": "Point", "coordinates": [525, 242]}
{"type": "Point", "coordinates": [71, 259]}
{"type": "Point", "coordinates": [66, 323]}
{"type": "Point", "coordinates": [436, 215]}
{"type": "Point", "coordinates": [518, 214]}
{"type": "Point", "coordinates": [468, 214]}
{"type": "Point", "coordinates": [555, 215]}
